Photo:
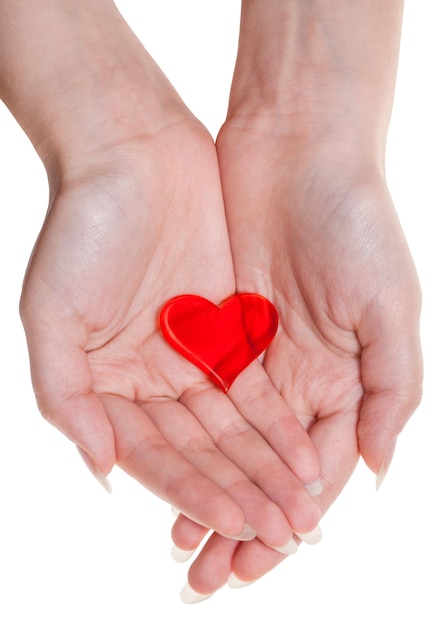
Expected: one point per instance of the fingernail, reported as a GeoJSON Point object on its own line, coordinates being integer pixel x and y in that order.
{"type": "Point", "coordinates": [175, 511]}
{"type": "Point", "coordinates": [190, 596]}
{"type": "Point", "coordinates": [288, 548]}
{"type": "Point", "coordinates": [103, 480]}
{"type": "Point", "coordinates": [236, 583]}
{"type": "Point", "coordinates": [311, 538]}
{"type": "Point", "coordinates": [315, 488]}
{"type": "Point", "coordinates": [385, 465]}
{"type": "Point", "coordinates": [181, 556]}
{"type": "Point", "coordinates": [247, 534]}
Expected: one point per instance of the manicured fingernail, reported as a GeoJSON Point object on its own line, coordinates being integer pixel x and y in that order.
{"type": "Point", "coordinates": [315, 488]}
{"type": "Point", "coordinates": [290, 547]}
{"type": "Point", "coordinates": [313, 537]}
{"type": "Point", "coordinates": [385, 465]}
{"type": "Point", "coordinates": [181, 556]}
{"type": "Point", "coordinates": [247, 534]}
{"type": "Point", "coordinates": [190, 596]}
{"type": "Point", "coordinates": [103, 480]}
{"type": "Point", "coordinates": [236, 583]}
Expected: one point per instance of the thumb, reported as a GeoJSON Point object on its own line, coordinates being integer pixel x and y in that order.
{"type": "Point", "coordinates": [63, 388]}
{"type": "Point", "coordinates": [392, 372]}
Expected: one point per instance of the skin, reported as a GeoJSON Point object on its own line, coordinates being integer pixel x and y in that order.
{"type": "Point", "coordinates": [135, 217]}
{"type": "Point", "coordinates": [312, 226]}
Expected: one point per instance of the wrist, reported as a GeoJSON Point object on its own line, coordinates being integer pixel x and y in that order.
{"type": "Point", "coordinates": [317, 68]}
{"type": "Point", "coordinates": [78, 80]}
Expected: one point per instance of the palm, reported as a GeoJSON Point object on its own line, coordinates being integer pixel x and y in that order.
{"type": "Point", "coordinates": [116, 245]}
{"type": "Point", "coordinates": [115, 261]}
{"type": "Point", "coordinates": [324, 243]}
{"type": "Point", "coordinates": [166, 234]}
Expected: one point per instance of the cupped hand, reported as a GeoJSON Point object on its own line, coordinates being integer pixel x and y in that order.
{"type": "Point", "coordinates": [314, 227]}
{"type": "Point", "coordinates": [224, 561]}
{"type": "Point", "coordinates": [315, 230]}
{"type": "Point", "coordinates": [139, 224]}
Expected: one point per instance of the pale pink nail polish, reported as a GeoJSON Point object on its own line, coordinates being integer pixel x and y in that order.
{"type": "Point", "coordinates": [190, 596]}
{"type": "Point", "coordinates": [236, 583]}
{"type": "Point", "coordinates": [247, 534]}
{"type": "Point", "coordinates": [312, 537]}
{"type": "Point", "coordinates": [181, 556]}
{"type": "Point", "coordinates": [101, 479]}
{"type": "Point", "coordinates": [385, 464]}
{"type": "Point", "coordinates": [291, 547]}
{"type": "Point", "coordinates": [315, 488]}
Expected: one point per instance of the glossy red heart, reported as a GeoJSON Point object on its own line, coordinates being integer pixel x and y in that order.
{"type": "Point", "coordinates": [221, 340]}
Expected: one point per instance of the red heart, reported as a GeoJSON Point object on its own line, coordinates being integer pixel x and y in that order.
{"type": "Point", "coordinates": [220, 340]}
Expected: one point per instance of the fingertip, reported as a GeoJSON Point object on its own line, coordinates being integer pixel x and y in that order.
{"type": "Point", "coordinates": [189, 596]}
{"type": "Point", "coordinates": [289, 548]}
{"type": "Point", "coordinates": [386, 462]}
{"type": "Point", "coordinates": [315, 488]}
{"type": "Point", "coordinates": [307, 466]}
{"type": "Point", "coordinates": [253, 560]}
{"type": "Point", "coordinates": [382, 418]}
{"type": "Point", "coordinates": [311, 538]}
{"type": "Point", "coordinates": [247, 534]}
{"type": "Point", "coordinates": [187, 534]}
{"type": "Point", "coordinates": [181, 556]}
{"type": "Point", "coordinates": [237, 583]}
{"type": "Point", "coordinates": [101, 478]}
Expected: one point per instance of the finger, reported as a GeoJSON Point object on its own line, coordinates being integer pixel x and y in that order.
{"type": "Point", "coordinates": [392, 373]}
{"type": "Point", "coordinates": [245, 447]}
{"type": "Point", "coordinates": [186, 435]}
{"type": "Point", "coordinates": [63, 388]}
{"type": "Point", "coordinates": [143, 453]}
{"type": "Point", "coordinates": [223, 561]}
{"type": "Point", "coordinates": [211, 571]}
{"type": "Point", "coordinates": [187, 535]}
{"type": "Point", "coordinates": [335, 438]}
{"type": "Point", "coordinates": [259, 402]}
{"type": "Point", "coordinates": [336, 442]}
{"type": "Point", "coordinates": [212, 568]}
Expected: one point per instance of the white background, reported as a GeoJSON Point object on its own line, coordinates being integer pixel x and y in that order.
{"type": "Point", "coordinates": [71, 554]}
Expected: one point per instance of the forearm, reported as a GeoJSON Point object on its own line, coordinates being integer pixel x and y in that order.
{"type": "Point", "coordinates": [75, 76]}
{"type": "Point", "coordinates": [308, 61]}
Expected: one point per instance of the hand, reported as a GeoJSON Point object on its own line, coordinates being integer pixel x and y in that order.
{"type": "Point", "coordinates": [114, 248]}
{"type": "Point", "coordinates": [136, 216]}
{"type": "Point", "coordinates": [308, 132]}
{"type": "Point", "coordinates": [312, 226]}
{"type": "Point", "coordinates": [321, 239]}
{"type": "Point", "coordinates": [222, 560]}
